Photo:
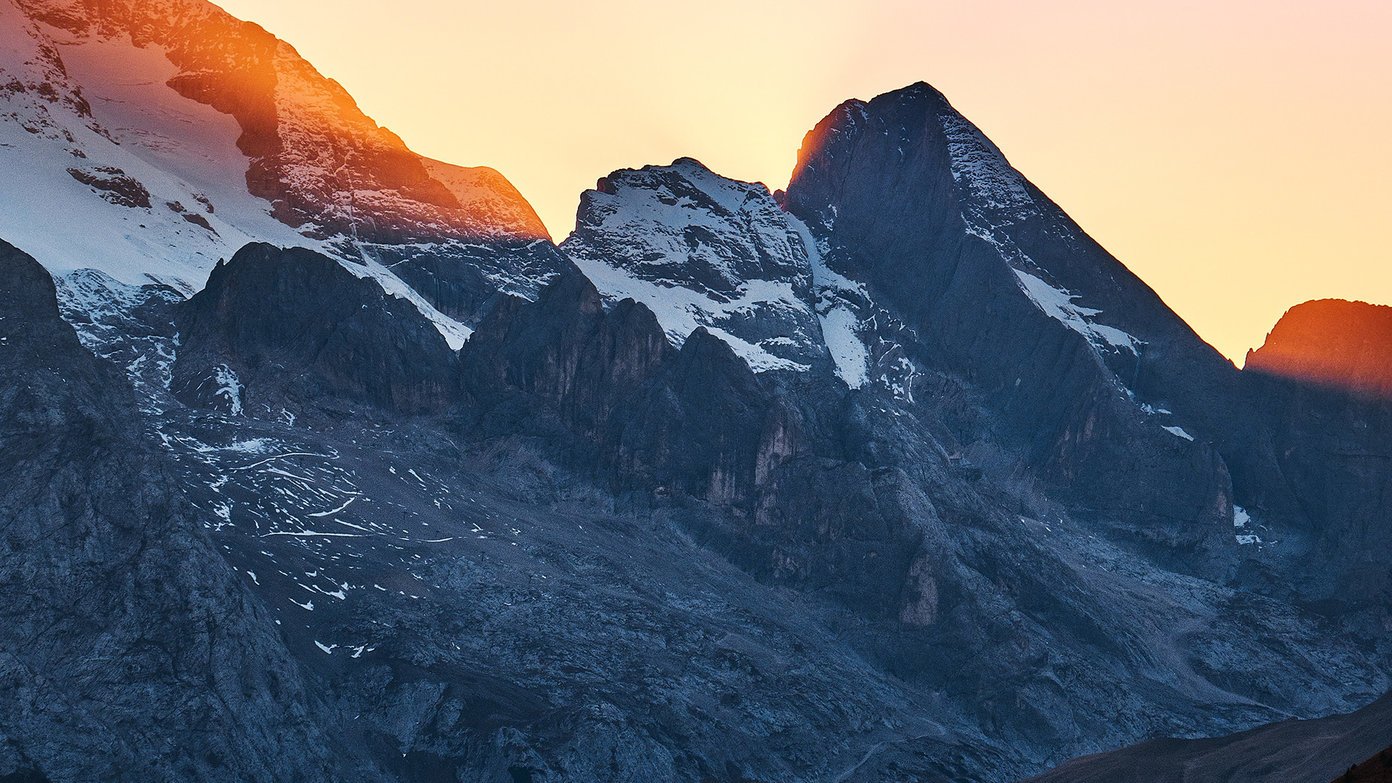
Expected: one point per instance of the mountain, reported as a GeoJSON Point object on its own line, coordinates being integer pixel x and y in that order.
{"type": "Point", "coordinates": [1330, 342]}
{"type": "Point", "coordinates": [1288, 752]}
{"type": "Point", "coordinates": [892, 475]}
{"type": "Point", "coordinates": [703, 250]}
{"type": "Point", "coordinates": [1112, 395]}
{"type": "Point", "coordinates": [177, 133]}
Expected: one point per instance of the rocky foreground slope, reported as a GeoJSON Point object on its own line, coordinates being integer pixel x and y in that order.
{"type": "Point", "coordinates": [1292, 751]}
{"type": "Point", "coordinates": [893, 475]}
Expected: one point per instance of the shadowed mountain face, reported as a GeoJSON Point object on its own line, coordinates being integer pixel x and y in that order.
{"type": "Point", "coordinates": [1287, 752]}
{"type": "Point", "coordinates": [1080, 362]}
{"type": "Point", "coordinates": [896, 475]}
{"type": "Point", "coordinates": [1319, 385]}
{"type": "Point", "coordinates": [119, 612]}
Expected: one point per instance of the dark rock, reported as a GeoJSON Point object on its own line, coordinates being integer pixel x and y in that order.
{"type": "Point", "coordinates": [916, 203]}
{"type": "Point", "coordinates": [1291, 751]}
{"type": "Point", "coordinates": [275, 324]}
{"type": "Point", "coordinates": [114, 185]}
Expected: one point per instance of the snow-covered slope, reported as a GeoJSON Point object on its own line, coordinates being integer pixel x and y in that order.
{"type": "Point", "coordinates": [703, 250]}
{"type": "Point", "coordinates": [995, 199]}
{"type": "Point", "coordinates": [172, 134]}
{"type": "Point", "coordinates": [108, 168]}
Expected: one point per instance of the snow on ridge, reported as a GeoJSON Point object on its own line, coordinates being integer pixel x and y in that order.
{"type": "Point", "coordinates": [176, 154]}
{"type": "Point", "coordinates": [686, 225]}
{"type": "Point", "coordinates": [681, 310]}
{"type": "Point", "coordinates": [980, 168]}
{"type": "Point", "coordinates": [454, 332]}
{"type": "Point", "coordinates": [997, 196]}
{"type": "Point", "coordinates": [1058, 304]}
{"type": "Point", "coordinates": [97, 294]}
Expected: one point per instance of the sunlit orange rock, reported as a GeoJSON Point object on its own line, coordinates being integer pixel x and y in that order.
{"type": "Point", "coordinates": [1332, 343]}
{"type": "Point", "coordinates": [325, 166]}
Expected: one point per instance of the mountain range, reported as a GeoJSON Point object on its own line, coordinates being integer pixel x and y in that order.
{"type": "Point", "coordinates": [320, 459]}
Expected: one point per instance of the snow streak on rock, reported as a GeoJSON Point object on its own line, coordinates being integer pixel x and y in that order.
{"type": "Point", "coordinates": [996, 198]}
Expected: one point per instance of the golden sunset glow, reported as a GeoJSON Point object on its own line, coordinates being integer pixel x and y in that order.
{"type": "Point", "coordinates": [1233, 154]}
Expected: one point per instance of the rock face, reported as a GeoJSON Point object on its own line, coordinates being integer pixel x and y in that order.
{"type": "Point", "coordinates": [640, 413]}
{"type": "Point", "coordinates": [300, 323]}
{"type": "Point", "coordinates": [1076, 356]}
{"type": "Point", "coordinates": [1320, 388]}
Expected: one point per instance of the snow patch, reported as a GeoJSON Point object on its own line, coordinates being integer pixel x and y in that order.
{"type": "Point", "coordinates": [454, 332]}
{"type": "Point", "coordinates": [1243, 522]}
{"type": "Point", "coordinates": [681, 311]}
{"type": "Point", "coordinates": [1240, 517]}
{"type": "Point", "coordinates": [229, 388]}
{"type": "Point", "coordinates": [1178, 432]}
{"type": "Point", "coordinates": [1058, 304]}
{"type": "Point", "coordinates": [701, 250]}
{"type": "Point", "coordinates": [840, 324]}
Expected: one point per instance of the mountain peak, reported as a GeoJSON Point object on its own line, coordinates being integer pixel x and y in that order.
{"type": "Point", "coordinates": [702, 250]}
{"type": "Point", "coordinates": [1334, 343]}
{"type": "Point", "coordinates": [227, 132]}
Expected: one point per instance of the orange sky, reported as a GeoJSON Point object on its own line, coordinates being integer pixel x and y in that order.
{"type": "Point", "coordinates": [1235, 154]}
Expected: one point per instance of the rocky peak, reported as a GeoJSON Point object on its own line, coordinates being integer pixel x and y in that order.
{"type": "Point", "coordinates": [1332, 343]}
{"type": "Point", "coordinates": [702, 250]}
{"type": "Point", "coordinates": [998, 286]}
{"type": "Point", "coordinates": [289, 326]}
{"type": "Point", "coordinates": [326, 167]}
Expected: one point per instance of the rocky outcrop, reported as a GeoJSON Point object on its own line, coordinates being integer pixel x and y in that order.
{"type": "Point", "coordinates": [277, 325]}
{"type": "Point", "coordinates": [649, 416]}
{"type": "Point", "coordinates": [1340, 345]}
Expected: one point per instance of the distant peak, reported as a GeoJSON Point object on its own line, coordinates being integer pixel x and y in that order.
{"type": "Point", "coordinates": [1331, 342]}
{"type": "Point", "coordinates": [684, 175]}
{"type": "Point", "coordinates": [918, 88]}
{"type": "Point", "coordinates": [685, 163]}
